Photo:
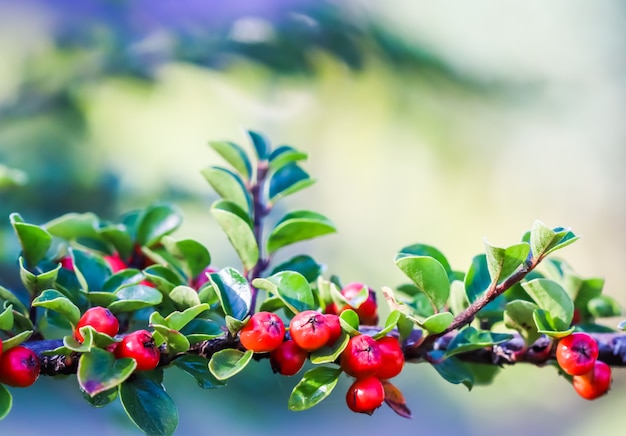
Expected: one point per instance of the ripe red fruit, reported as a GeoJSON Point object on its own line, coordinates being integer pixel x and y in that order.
{"type": "Point", "coordinates": [140, 346]}
{"type": "Point", "coordinates": [66, 263]}
{"type": "Point", "coordinates": [263, 333]}
{"type": "Point", "coordinates": [365, 395]}
{"type": "Point", "coordinates": [100, 319]}
{"type": "Point", "coordinates": [362, 357]}
{"type": "Point", "coordinates": [595, 383]}
{"type": "Point", "coordinates": [19, 367]}
{"type": "Point", "coordinates": [577, 353]}
{"type": "Point", "coordinates": [393, 358]}
{"type": "Point", "coordinates": [116, 263]}
{"type": "Point", "coordinates": [310, 330]}
{"type": "Point", "coordinates": [288, 358]}
{"type": "Point", "coordinates": [367, 310]}
{"type": "Point", "coordinates": [335, 328]}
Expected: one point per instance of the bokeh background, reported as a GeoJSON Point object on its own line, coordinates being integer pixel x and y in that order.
{"type": "Point", "coordinates": [436, 122]}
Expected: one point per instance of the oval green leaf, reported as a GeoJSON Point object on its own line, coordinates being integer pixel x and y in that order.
{"type": "Point", "coordinates": [226, 363]}
{"type": "Point", "coordinates": [234, 155]}
{"type": "Point", "coordinates": [6, 402]}
{"type": "Point", "coordinates": [470, 339]}
{"type": "Point", "coordinates": [551, 297]}
{"type": "Point", "coordinates": [135, 297]}
{"type": "Point", "coordinates": [316, 384]}
{"type": "Point", "coordinates": [197, 367]}
{"type": "Point", "coordinates": [288, 180]}
{"type": "Point", "coordinates": [35, 240]}
{"type": "Point", "coordinates": [262, 145]}
{"type": "Point", "coordinates": [54, 300]}
{"type": "Point", "coordinates": [99, 371]}
{"type": "Point", "coordinates": [291, 287]}
{"type": "Point", "coordinates": [238, 228]}
{"type": "Point", "coordinates": [233, 291]}
{"type": "Point", "coordinates": [298, 226]}
{"type": "Point", "coordinates": [284, 155]}
{"type": "Point", "coordinates": [428, 275]}
{"type": "Point", "coordinates": [502, 262]}
{"type": "Point", "coordinates": [229, 186]}
{"type": "Point", "coordinates": [192, 255]}
{"type": "Point", "coordinates": [303, 264]}
{"type": "Point", "coordinates": [155, 222]}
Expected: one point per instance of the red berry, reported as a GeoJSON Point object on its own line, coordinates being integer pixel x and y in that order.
{"type": "Point", "coordinates": [595, 383]}
{"type": "Point", "coordinates": [66, 263]}
{"type": "Point", "coordinates": [577, 353]}
{"type": "Point", "coordinates": [19, 367]}
{"type": "Point", "coordinates": [116, 263]}
{"type": "Point", "coordinates": [263, 333]}
{"type": "Point", "coordinates": [288, 358]}
{"type": "Point", "coordinates": [367, 310]}
{"type": "Point", "coordinates": [335, 328]}
{"type": "Point", "coordinates": [362, 357]}
{"type": "Point", "coordinates": [365, 395]}
{"type": "Point", "coordinates": [310, 330]}
{"type": "Point", "coordinates": [100, 319]}
{"type": "Point", "coordinates": [393, 358]}
{"type": "Point", "coordinates": [140, 346]}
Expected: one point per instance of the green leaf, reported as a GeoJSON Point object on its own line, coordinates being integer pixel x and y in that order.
{"type": "Point", "coordinates": [438, 322]}
{"type": "Point", "coordinates": [6, 295]}
{"type": "Point", "coordinates": [198, 330]}
{"type": "Point", "coordinates": [458, 298]}
{"type": "Point", "coordinates": [91, 269]}
{"type": "Point", "coordinates": [234, 155]}
{"type": "Point", "coordinates": [126, 277]}
{"type": "Point", "coordinates": [6, 318]}
{"type": "Point", "coordinates": [288, 180]}
{"type": "Point", "coordinates": [427, 250]}
{"type": "Point", "coordinates": [148, 405]}
{"type": "Point", "coordinates": [502, 262]}
{"type": "Point", "coordinates": [6, 402]}
{"type": "Point", "coordinates": [192, 255]}
{"type": "Point", "coordinates": [316, 384]}
{"type": "Point", "coordinates": [197, 367]}
{"type": "Point", "coordinates": [155, 222]}
{"type": "Point", "coordinates": [551, 297]}
{"type": "Point", "coordinates": [470, 339]}
{"type": "Point", "coordinates": [99, 371]}
{"type": "Point", "coordinates": [35, 241]}
{"type": "Point", "coordinates": [298, 226]}
{"type": "Point", "coordinates": [547, 325]}
{"type": "Point", "coordinates": [330, 354]}
{"type": "Point", "coordinates": [102, 399]}
{"type": "Point", "coordinates": [291, 287]}
{"type": "Point", "coordinates": [302, 264]}
{"type": "Point", "coordinates": [16, 340]}
{"type": "Point", "coordinates": [428, 275]}
{"type": "Point", "coordinates": [544, 240]}
{"type": "Point", "coordinates": [604, 306]}
{"type": "Point", "coordinates": [238, 228]}
{"type": "Point", "coordinates": [184, 297]}
{"type": "Point", "coordinates": [35, 283]}
{"type": "Point", "coordinates": [261, 144]}
{"type": "Point", "coordinates": [518, 315]}
{"type": "Point", "coordinates": [390, 324]}
{"type": "Point", "coordinates": [135, 297]}
{"type": "Point", "coordinates": [477, 279]}
{"type": "Point", "coordinates": [229, 186]}
{"type": "Point", "coordinates": [164, 278]}
{"type": "Point", "coordinates": [234, 325]}
{"type": "Point", "coordinates": [452, 369]}
{"type": "Point", "coordinates": [349, 321]}
{"type": "Point", "coordinates": [103, 299]}
{"type": "Point", "coordinates": [178, 320]}
{"type": "Point", "coordinates": [233, 291]}
{"type": "Point", "coordinates": [72, 226]}
{"type": "Point", "coordinates": [284, 155]}
{"type": "Point", "coordinates": [176, 341]}
{"type": "Point", "coordinates": [54, 300]}
{"type": "Point", "coordinates": [118, 236]}
{"type": "Point", "coordinates": [226, 363]}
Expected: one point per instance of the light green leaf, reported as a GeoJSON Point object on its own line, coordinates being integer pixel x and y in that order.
{"type": "Point", "coordinates": [604, 306]}
{"type": "Point", "coordinates": [547, 325]}
{"type": "Point", "coordinates": [155, 222]}
{"type": "Point", "coordinates": [16, 340]}
{"type": "Point", "coordinates": [426, 250]}
{"type": "Point", "coordinates": [349, 321]}
{"type": "Point", "coordinates": [518, 315]}
{"type": "Point", "coordinates": [330, 354]}
{"type": "Point", "coordinates": [551, 297]}
{"type": "Point", "coordinates": [390, 324]}
{"type": "Point", "coordinates": [303, 264]}
{"type": "Point", "coordinates": [35, 283]}
{"type": "Point", "coordinates": [428, 275]}
{"type": "Point", "coordinates": [298, 226]}
{"type": "Point", "coordinates": [54, 300]}
{"type": "Point", "coordinates": [316, 384]}
{"type": "Point", "coordinates": [229, 186]}
{"type": "Point", "coordinates": [544, 240]}
{"type": "Point", "coordinates": [502, 262]}
{"type": "Point", "coordinates": [118, 236]}
{"type": "Point", "coordinates": [72, 226]}
{"type": "Point", "coordinates": [238, 228]}
{"type": "Point", "coordinates": [6, 402]}
{"type": "Point", "coordinates": [6, 295]}
{"type": "Point", "coordinates": [192, 255]}
{"type": "Point", "coordinates": [135, 297]}
{"type": "Point", "coordinates": [35, 240]}
{"type": "Point", "coordinates": [6, 318]}
{"type": "Point", "coordinates": [438, 322]}
{"type": "Point", "coordinates": [291, 287]}
{"type": "Point", "coordinates": [284, 155]}
{"type": "Point", "coordinates": [234, 155]}
{"type": "Point", "coordinates": [226, 363]}
{"type": "Point", "coordinates": [184, 297]}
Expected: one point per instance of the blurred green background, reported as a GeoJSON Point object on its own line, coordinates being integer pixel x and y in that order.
{"type": "Point", "coordinates": [435, 122]}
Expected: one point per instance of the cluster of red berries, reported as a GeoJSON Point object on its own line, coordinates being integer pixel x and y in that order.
{"type": "Point", "coordinates": [577, 355]}
{"type": "Point", "coordinates": [138, 345]}
{"type": "Point", "coordinates": [368, 360]}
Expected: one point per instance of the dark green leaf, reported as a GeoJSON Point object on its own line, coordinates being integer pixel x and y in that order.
{"type": "Point", "coordinates": [135, 297]}
{"type": "Point", "coordinates": [148, 405]}
{"type": "Point", "coordinates": [261, 144]}
{"type": "Point", "coordinates": [126, 277]}
{"type": "Point", "coordinates": [6, 295]}
{"type": "Point", "coordinates": [453, 370]}
{"type": "Point", "coordinates": [284, 155]}
{"type": "Point", "coordinates": [288, 180]}
{"type": "Point", "coordinates": [271, 304]}
{"type": "Point", "coordinates": [164, 278]}
{"type": "Point", "coordinates": [238, 228]}
{"type": "Point", "coordinates": [91, 269]}
{"type": "Point", "coordinates": [72, 226]}
{"type": "Point", "coordinates": [544, 240]}
{"type": "Point", "coordinates": [604, 306]}
{"type": "Point", "coordinates": [291, 287]}
{"type": "Point", "coordinates": [298, 226]}
{"type": "Point", "coordinates": [551, 297]}
{"type": "Point", "coordinates": [198, 368]}
{"type": "Point", "coordinates": [6, 402]}
{"type": "Point", "coordinates": [99, 371]}
{"type": "Point", "coordinates": [229, 186]}
{"type": "Point", "coordinates": [201, 330]}
{"type": "Point", "coordinates": [118, 236]}
{"type": "Point", "coordinates": [518, 315]}
{"type": "Point", "coordinates": [102, 399]}
{"type": "Point", "coordinates": [303, 264]}
{"type": "Point", "coordinates": [477, 279]}
{"type": "Point", "coordinates": [226, 363]}
{"type": "Point", "coordinates": [234, 155]}
{"type": "Point", "coordinates": [54, 300]}
{"type": "Point", "coordinates": [156, 222]}
{"type": "Point", "coordinates": [316, 384]}
{"type": "Point", "coordinates": [35, 283]}
{"type": "Point", "coordinates": [428, 275]}
{"type": "Point", "coordinates": [233, 291]}
{"type": "Point", "coordinates": [330, 354]}
{"type": "Point", "coordinates": [502, 262]}
{"type": "Point", "coordinates": [35, 241]}
{"type": "Point", "coordinates": [103, 299]}
{"type": "Point", "coordinates": [470, 339]}
{"type": "Point", "coordinates": [192, 255]}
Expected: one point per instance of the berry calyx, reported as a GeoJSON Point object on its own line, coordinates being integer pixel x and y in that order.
{"type": "Point", "coordinates": [310, 330]}
{"type": "Point", "coordinates": [288, 358]}
{"type": "Point", "coordinates": [577, 353]}
{"type": "Point", "coordinates": [19, 367]}
{"type": "Point", "coordinates": [362, 357]}
{"type": "Point", "coordinates": [335, 328]}
{"type": "Point", "coordinates": [101, 319]}
{"type": "Point", "coordinates": [393, 358]}
{"type": "Point", "coordinates": [139, 345]}
{"type": "Point", "coordinates": [594, 383]}
{"type": "Point", "coordinates": [263, 332]}
{"type": "Point", "coordinates": [365, 395]}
